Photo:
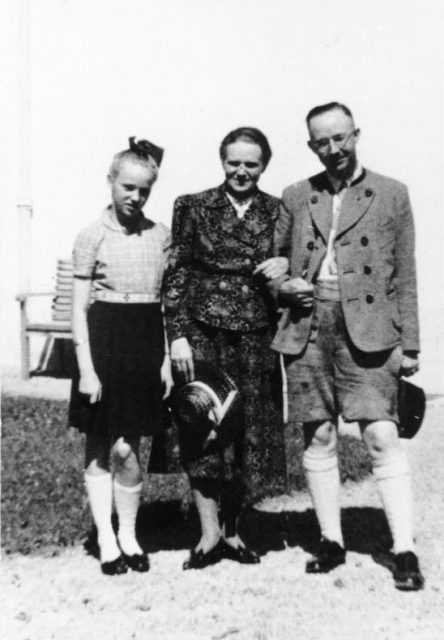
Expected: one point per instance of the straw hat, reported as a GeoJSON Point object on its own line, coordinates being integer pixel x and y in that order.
{"type": "Point", "coordinates": [206, 407]}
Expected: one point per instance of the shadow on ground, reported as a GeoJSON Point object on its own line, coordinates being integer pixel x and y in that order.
{"type": "Point", "coordinates": [166, 526]}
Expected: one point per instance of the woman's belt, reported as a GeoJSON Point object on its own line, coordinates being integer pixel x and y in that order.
{"type": "Point", "coordinates": [126, 298]}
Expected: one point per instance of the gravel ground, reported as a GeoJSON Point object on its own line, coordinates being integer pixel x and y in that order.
{"type": "Point", "coordinates": [65, 597]}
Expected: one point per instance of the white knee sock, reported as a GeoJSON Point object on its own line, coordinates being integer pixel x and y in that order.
{"type": "Point", "coordinates": [322, 475]}
{"type": "Point", "coordinates": [393, 477]}
{"type": "Point", "coordinates": [127, 501]}
{"type": "Point", "coordinates": [100, 496]}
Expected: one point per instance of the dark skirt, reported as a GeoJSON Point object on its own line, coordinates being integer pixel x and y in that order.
{"type": "Point", "coordinates": [127, 348]}
{"type": "Point", "coordinates": [257, 457]}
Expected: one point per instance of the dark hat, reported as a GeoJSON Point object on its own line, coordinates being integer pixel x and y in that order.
{"type": "Point", "coordinates": [206, 406]}
{"type": "Point", "coordinates": [145, 149]}
{"type": "Point", "coordinates": [411, 408]}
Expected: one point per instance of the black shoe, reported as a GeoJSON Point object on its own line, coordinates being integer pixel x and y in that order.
{"type": "Point", "coordinates": [115, 567]}
{"type": "Point", "coordinates": [329, 556]}
{"type": "Point", "coordinates": [137, 562]}
{"type": "Point", "coordinates": [200, 560]}
{"type": "Point", "coordinates": [406, 573]}
{"type": "Point", "coordinates": [243, 555]}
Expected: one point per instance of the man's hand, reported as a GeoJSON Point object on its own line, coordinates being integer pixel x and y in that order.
{"type": "Point", "coordinates": [272, 268]}
{"type": "Point", "coordinates": [409, 364]}
{"type": "Point", "coordinates": [297, 291]}
{"type": "Point", "coordinates": [166, 377]}
{"type": "Point", "coordinates": [182, 358]}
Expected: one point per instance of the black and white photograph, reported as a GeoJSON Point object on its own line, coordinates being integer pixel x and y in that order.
{"type": "Point", "coordinates": [222, 320]}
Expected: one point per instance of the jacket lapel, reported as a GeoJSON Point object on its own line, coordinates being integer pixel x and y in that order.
{"type": "Point", "coordinates": [320, 203]}
{"type": "Point", "coordinates": [224, 216]}
{"type": "Point", "coordinates": [356, 203]}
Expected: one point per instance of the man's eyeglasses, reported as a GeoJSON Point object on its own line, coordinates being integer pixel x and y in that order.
{"type": "Point", "coordinates": [340, 140]}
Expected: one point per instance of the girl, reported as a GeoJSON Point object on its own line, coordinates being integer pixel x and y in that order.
{"type": "Point", "coordinates": [120, 348]}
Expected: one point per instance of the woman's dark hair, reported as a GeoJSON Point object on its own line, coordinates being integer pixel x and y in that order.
{"type": "Point", "coordinates": [248, 134]}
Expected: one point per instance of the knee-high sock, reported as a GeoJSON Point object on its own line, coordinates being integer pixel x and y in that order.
{"type": "Point", "coordinates": [393, 478]}
{"type": "Point", "coordinates": [322, 475]}
{"type": "Point", "coordinates": [127, 500]}
{"type": "Point", "coordinates": [100, 496]}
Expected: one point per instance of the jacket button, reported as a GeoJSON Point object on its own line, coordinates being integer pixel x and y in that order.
{"type": "Point", "coordinates": [245, 288]}
{"type": "Point", "coordinates": [310, 245]}
{"type": "Point", "coordinates": [369, 192]}
{"type": "Point", "coordinates": [367, 269]}
{"type": "Point", "coordinates": [247, 261]}
{"type": "Point", "coordinates": [314, 199]}
{"type": "Point", "coordinates": [369, 299]}
{"type": "Point", "coordinates": [222, 285]}
{"type": "Point", "coordinates": [364, 241]}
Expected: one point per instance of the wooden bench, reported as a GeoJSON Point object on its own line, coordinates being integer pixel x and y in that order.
{"type": "Point", "coordinates": [58, 327]}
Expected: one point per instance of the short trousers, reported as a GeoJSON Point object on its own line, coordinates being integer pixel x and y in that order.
{"type": "Point", "coordinates": [332, 377]}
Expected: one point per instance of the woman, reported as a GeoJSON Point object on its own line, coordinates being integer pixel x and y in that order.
{"type": "Point", "coordinates": [217, 310]}
{"type": "Point", "coordinates": [117, 395]}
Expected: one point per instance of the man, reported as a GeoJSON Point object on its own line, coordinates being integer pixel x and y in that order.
{"type": "Point", "coordinates": [349, 327]}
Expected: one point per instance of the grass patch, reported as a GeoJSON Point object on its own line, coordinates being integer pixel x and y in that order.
{"type": "Point", "coordinates": [43, 502]}
{"type": "Point", "coordinates": [354, 460]}
{"type": "Point", "coordinates": [44, 506]}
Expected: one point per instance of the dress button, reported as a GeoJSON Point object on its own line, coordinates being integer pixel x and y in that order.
{"type": "Point", "coordinates": [364, 241]}
{"type": "Point", "coordinates": [367, 269]}
{"type": "Point", "coordinates": [314, 199]}
{"type": "Point", "coordinates": [245, 288]}
{"type": "Point", "coordinates": [369, 192]}
{"type": "Point", "coordinates": [310, 245]}
{"type": "Point", "coordinates": [369, 299]}
{"type": "Point", "coordinates": [223, 285]}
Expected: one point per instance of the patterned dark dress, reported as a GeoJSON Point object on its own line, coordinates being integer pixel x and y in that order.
{"type": "Point", "coordinates": [212, 298]}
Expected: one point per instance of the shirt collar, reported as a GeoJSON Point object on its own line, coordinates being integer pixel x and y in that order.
{"type": "Point", "coordinates": [243, 204]}
{"type": "Point", "coordinates": [336, 184]}
{"type": "Point", "coordinates": [109, 219]}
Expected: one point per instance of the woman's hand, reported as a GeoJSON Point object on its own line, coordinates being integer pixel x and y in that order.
{"type": "Point", "coordinates": [166, 377]}
{"type": "Point", "coordinates": [182, 358]}
{"type": "Point", "coordinates": [272, 268]}
{"type": "Point", "coordinates": [90, 385]}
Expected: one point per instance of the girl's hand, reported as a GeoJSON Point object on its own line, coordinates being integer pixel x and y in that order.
{"type": "Point", "coordinates": [166, 377]}
{"type": "Point", "coordinates": [90, 385]}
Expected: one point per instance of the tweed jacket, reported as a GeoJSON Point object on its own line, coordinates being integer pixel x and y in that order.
{"type": "Point", "coordinates": [209, 275]}
{"type": "Point", "coordinates": [374, 248]}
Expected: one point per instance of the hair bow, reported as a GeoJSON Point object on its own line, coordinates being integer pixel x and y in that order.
{"type": "Point", "coordinates": [146, 149]}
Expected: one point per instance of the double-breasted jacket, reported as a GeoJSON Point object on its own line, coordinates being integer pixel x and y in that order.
{"type": "Point", "coordinates": [374, 247]}
{"type": "Point", "coordinates": [209, 276]}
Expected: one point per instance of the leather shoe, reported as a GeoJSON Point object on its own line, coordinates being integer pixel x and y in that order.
{"type": "Point", "coordinates": [115, 567]}
{"type": "Point", "coordinates": [200, 560]}
{"type": "Point", "coordinates": [329, 556]}
{"type": "Point", "coordinates": [137, 562]}
{"type": "Point", "coordinates": [406, 573]}
{"type": "Point", "coordinates": [243, 555]}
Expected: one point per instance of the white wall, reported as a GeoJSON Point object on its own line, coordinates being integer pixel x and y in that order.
{"type": "Point", "coordinates": [183, 73]}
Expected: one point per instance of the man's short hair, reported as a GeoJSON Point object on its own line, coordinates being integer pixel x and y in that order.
{"type": "Point", "coordinates": [135, 158]}
{"type": "Point", "coordinates": [248, 134]}
{"type": "Point", "coordinates": [323, 108]}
